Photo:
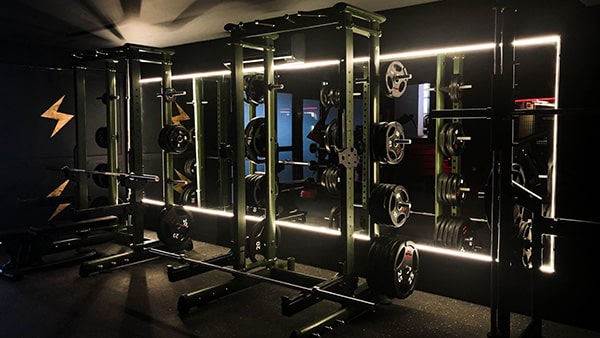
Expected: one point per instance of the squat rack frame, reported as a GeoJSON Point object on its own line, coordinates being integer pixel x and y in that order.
{"type": "Point", "coordinates": [344, 288]}
{"type": "Point", "coordinates": [133, 210]}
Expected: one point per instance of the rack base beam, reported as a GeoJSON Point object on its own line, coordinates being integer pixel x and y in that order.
{"type": "Point", "coordinates": [200, 297]}
{"type": "Point", "coordinates": [136, 256]}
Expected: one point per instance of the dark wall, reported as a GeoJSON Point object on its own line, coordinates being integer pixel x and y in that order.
{"type": "Point", "coordinates": [27, 145]}
{"type": "Point", "coordinates": [35, 79]}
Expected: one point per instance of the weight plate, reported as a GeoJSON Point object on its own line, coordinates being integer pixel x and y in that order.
{"type": "Point", "coordinates": [399, 206]}
{"type": "Point", "coordinates": [454, 90]}
{"type": "Point", "coordinates": [192, 135]}
{"type": "Point", "coordinates": [387, 267]}
{"type": "Point", "coordinates": [99, 179]}
{"type": "Point", "coordinates": [330, 137]}
{"type": "Point", "coordinates": [436, 231]}
{"type": "Point", "coordinates": [174, 227]}
{"type": "Point", "coordinates": [406, 269]}
{"type": "Point", "coordinates": [392, 267]}
{"type": "Point", "coordinates": [189, 195]}
{"type": "Point", "coordinates": [446, 230]}
{"type": "Point", "coordinates": [396, 79]}
{"type": "Point", "coordinates": [256, 242]}
{"type": "Point", "coordinates": [463, 236]}
{"type": "Point", "coordinates": [442, 140]}
{"type": "Point", "coordinates": [524, 239]}
{"type": "Point", "coordinates": [518, 175]}
{"type": "Point", "coordinates": [174, 139]}
{"type": "Point", "coordinates": [330, 179]}
{"type": "Point", "coordinates": [456, 226]}
{"type": "Point", "coordinates": [441, 195]}
{"type": "Point", "coordinates": [388, 141]}
{"type": "Point", "coordinates": [375, 267]}
{"type": "Point", "coordinates": [449, 142]}
{"type": "Point", "coordinates": [255, 140]}
{"type": "Point", "coordinates": [329, 97]}
{"type": "Point", "coordinates": [189, 167]}
{"type": "Point", "coordinates": [101, 137]}
{"type": "Point", "coordinates": [394, 142]}
{"type": "Point", "coordinates": [254, 89]}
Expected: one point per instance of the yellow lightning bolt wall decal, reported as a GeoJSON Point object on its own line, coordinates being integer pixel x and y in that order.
{"type": "Point", "coordinates": [61, 118]}
{"type": "Point", "coordinates": [179, 186]}
{"type": "Point", "coordinates": [57, 192]}
{"type": "Point", "coordinates": [183, 116]}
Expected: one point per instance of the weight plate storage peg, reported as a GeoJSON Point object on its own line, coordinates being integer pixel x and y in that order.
{"type": "Point", "coordinates": [171, 94]}
{"type": "Point", "coordinates": [393, 267]}
{"type": "Point", "coordinates": [334, 219]}
{"type": "Point", "coordinates": [396, 79]}
{"type": "Point", "coordinates": [174, 139]}
{"type": "Point", "coordinates": [174, 226]}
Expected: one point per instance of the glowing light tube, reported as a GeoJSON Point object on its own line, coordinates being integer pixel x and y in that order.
{"type": "Point", "coordinates": [252, 218]}
{"type": "Point", "coordinates": [323, 230]}
{"type": "Point", "coordinates": [478, 47]}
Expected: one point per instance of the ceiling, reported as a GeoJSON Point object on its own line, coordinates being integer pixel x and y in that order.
{"type": "Point", "coordinates": [92, 24]}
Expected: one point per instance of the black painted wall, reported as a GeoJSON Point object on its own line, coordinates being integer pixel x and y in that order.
{"type": "Point", "coordinates": [35, 79]}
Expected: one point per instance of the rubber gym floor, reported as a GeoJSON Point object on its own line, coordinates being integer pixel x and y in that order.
{"type": "Point", "coordinates": [139, 301]}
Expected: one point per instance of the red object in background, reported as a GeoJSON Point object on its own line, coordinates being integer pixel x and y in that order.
{"type": "Point", "coordinates": [422, 158]}
{"type": "Point", "coordinates": [447, 165]}
{"type": "Point", "coordinates": [308, 193]}
{"type": "Point", "coordinates": [533, 103]}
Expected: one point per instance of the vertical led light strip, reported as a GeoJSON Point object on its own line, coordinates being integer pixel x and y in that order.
{"type": "Point", "coordinates": [550, 40]}
{"type": "Point", "coordinates": [555, 131]}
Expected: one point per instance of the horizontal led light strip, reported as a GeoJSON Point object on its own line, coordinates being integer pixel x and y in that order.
{"type": "Point", "coordinates": [437, 51]}
{"type": "Point", "coordinates": [534, 41]}
{"type": "Point", "coordinates": [228, 214]}
{"type": "Point", "coordinates": [455, 253]}
{"type": "Point", "coordinates": [332, 232]}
